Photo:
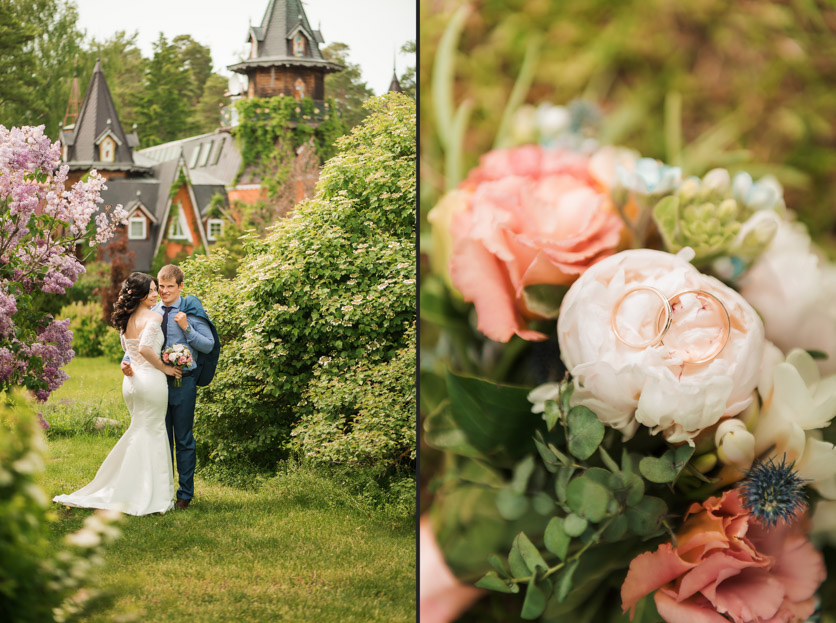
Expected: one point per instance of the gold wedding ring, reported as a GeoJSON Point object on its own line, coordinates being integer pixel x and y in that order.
{"type": "Point", "coordinates": [723, 338]}
{"type": "Point", "coordinates": [664, 320]}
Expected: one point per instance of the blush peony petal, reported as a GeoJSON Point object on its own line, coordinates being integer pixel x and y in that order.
{"type": "Point", "coordinates": [688, 611]}
{"type": "Point", "coordinates": [649, 572]}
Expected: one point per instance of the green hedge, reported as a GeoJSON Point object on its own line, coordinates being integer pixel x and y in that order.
{"type": "Point", "coordinates": [87, 327]}
{"type": "Point", "coordinates": [333, 285]}
{"type": "Point", "coordinates": [365, 417]}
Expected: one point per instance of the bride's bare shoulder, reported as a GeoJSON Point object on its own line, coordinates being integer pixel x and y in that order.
{"type": "Point", "coordinates": [146, 318]}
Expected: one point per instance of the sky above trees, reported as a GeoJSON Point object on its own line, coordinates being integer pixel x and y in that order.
{"type": "Point", "coordinates": [374, 30]}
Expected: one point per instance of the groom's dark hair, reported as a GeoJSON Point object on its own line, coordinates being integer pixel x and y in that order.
{"type": "Point", "coordinates": [170, 271]}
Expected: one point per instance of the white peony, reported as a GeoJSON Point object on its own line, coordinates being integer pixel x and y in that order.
{"type": "Point", "coordinates": [794, 290]}
{"type": "Point", "coordinates": [651, 386]}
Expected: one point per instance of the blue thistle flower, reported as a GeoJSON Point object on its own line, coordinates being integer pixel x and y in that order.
{"type": "Point", "coordinates": [773, 492]}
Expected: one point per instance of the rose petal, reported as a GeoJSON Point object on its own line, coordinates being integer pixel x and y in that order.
{"type": "Point", "coordinates": [649, 572]}
{"type": "Point", "coordinates": [479, 277]}
{"type": "Point", "coordinates": [753, 594]}
{"type": "Point", "coordinates": [800, 568]}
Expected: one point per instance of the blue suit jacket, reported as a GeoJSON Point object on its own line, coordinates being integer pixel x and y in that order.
{"type": "Point", "coordinates": [200, 340]}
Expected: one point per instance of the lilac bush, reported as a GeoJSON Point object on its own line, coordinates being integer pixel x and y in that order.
{"type": "Point", "coordinates": [42, 224]}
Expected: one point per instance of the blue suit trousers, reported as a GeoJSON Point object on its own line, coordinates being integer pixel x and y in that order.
{"type": "Point", "coordinates": [179, 420]}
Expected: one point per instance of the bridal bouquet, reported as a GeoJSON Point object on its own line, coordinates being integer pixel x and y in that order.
{"type": "Point", "coordinates": [646, 431]}
{"type": "Point", "coordinates": [178, 356]}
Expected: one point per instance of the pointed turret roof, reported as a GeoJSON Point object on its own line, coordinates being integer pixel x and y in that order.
{"type": "Point", "coordinates": [282, 20]}
{"type": "Point", "coordinates": [395, 86]}
{"type": "Point", "coordinates": [97, 119]}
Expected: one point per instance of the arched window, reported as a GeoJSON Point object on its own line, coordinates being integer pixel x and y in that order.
{"type": "Point", "coordinates": [299, 45]}
{"type": "Point", "coordinates": [299, 89]}
{"type": "Point", "coordinates": [107, 150]}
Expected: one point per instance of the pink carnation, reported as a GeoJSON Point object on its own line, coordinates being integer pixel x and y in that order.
{"type": "Point", "coordinates": [726, 563]}
{"type": "Point", "coordinates": [526, 216]}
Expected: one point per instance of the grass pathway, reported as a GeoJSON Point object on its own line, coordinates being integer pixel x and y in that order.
{"type": "Point", "coordinates": [298, 547]}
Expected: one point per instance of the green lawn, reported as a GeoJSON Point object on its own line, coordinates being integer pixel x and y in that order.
{"type": "Point", "coordinates": [298, 547]}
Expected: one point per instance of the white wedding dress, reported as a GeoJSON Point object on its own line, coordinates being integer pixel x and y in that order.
{"type": "Point", "coordinates": [137, 476]}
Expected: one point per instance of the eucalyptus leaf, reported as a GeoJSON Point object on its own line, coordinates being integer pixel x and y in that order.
{"type": "Point", "coordinates": [566, 391]}
{"type": "Point", "coordinates": [493, 582]}
{"type": "Point", "coordinates": [616, 529]}
{"type": "Point", "coordinates": [588, 498]}
{"type": "Point", "coordinates": [543, 503]}
{"type": "Point", "coordinates": [519, 569]}
{"type": "Point", "coordinates": [632, 488]}
{"type": "Point", "coordinates": [645, 517]}
{"type": "Point", "coordinates": [549, 457]}
{"type": "Point", "coordinates": [510, 504]}
{"type": "Point", "coordinates": [564, 474]}
{"type": "Point", "coordinates": [496, 562]}
{"type": "Point", "coordinates": [560, 456]}
{"type": "Point", "coordinates": [529, 552]}
{"type": "Point", "coordinates": [551, 413]}
{"type": "Point", "coordinates": [535, 602]}
{"type": "Point", "coordinates": [585, 432]}
{"type": "Point", "coordinates": [603, 477]}
{"type": "Point", "coordinates": [564, 580]}
{"type": "Point", "coordinates": [659, 470]}
{"type": "Point", "coordinates": [608, 460]}
{"type": "Point", "coordinates": [681, 456]}
{"type": "Point", "coordinates": [555, 538]}
{"type": "Point", "coordinates": [574, 525]}
{"type": "Point", "coordinates": [522, 472]}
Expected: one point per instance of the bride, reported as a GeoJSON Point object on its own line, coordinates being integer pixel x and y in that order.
{"type": "Point", "coordinates": [137, 475]}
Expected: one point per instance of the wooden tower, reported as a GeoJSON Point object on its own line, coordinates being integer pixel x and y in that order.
{"type": "Point", "coordinates": [284, 55]}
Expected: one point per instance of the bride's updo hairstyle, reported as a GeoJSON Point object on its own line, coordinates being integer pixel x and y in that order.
{"type": "Point", "coordinates": [135, 288]}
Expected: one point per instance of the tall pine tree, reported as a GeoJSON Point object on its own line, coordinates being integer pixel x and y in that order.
{"type": "Point", "coordinates": [162, 113]}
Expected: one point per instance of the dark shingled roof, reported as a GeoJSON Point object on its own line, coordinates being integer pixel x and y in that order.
{"type": "Point", "coordinates": [274, 46]}
{"type": "Point", "coordinates": [96, 118]}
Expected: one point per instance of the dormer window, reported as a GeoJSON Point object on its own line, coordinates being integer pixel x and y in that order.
{"type": "Point", "coordinates": [107, 150]}
{"type": "Point", "coordinates": [137, 228]}
{"type": "Point", "coordinates": [298, 45]}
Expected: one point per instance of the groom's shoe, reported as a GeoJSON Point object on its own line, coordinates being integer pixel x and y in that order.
{"type": "Point", "coordinates": [182, 504]}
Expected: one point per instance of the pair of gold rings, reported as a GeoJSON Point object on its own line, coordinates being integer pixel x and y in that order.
{"type": "Point", "coordinates": [665, 320]}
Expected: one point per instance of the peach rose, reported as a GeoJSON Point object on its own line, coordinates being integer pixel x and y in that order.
{"type": "Point", "coordinates": [532, 216]}
{"type": "Point", "coordinates": [726, 563]}
{"type": "Point", "coordinates": [652, 386]}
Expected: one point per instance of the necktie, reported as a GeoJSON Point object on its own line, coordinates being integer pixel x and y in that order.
{"type": "Point", "coordinates": [165, 324]}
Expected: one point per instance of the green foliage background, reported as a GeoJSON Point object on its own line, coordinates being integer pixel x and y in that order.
{"type": "Point", "coordinates": [333, 285]}
{"type": "Point", "coordinates": [755, 81]}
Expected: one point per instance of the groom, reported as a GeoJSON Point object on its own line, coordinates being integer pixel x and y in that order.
{"type": "Point", "coordinates": [184, 322]}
